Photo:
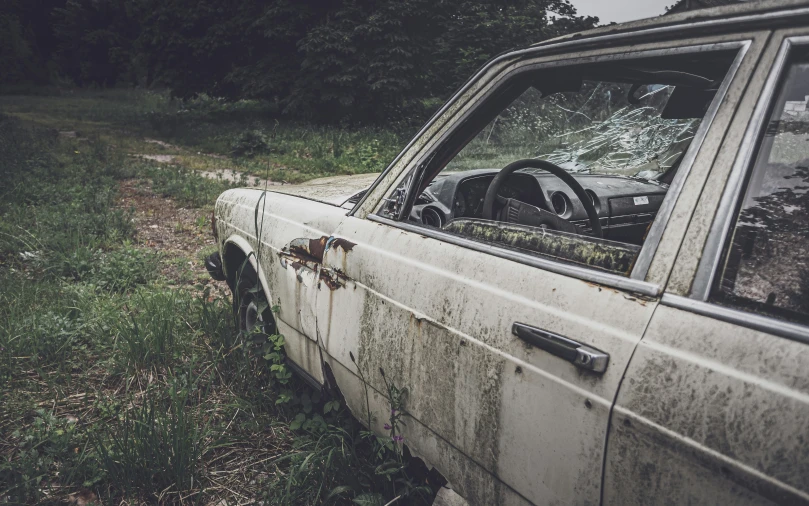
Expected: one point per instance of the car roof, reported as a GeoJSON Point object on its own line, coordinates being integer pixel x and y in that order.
{"type": "Point", "coordinates": [744, 12]}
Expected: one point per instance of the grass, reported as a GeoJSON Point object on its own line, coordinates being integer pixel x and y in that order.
{"type": "Point", "coordinates": [209, 134]}
{"type": "Point", "coordinates": [122, 385]}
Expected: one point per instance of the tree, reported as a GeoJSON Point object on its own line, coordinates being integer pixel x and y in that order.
{"type": "Point", "coordinates": [356, 60]}
{"type": "Point", "coordinates": [95, 40]}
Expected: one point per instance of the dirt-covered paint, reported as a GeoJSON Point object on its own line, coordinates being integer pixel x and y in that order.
{"type": "Point", "coordinates": [335, 190]}
{"type": "Point", "coordinates": [493, 414]}
{"type": "Point", "coordinates": [437, 318]}
{"type": "Point", "coordinates": [710, 408]}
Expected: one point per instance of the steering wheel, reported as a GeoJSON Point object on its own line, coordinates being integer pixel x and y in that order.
{"type": "Point", "coordinates": [500, 179]}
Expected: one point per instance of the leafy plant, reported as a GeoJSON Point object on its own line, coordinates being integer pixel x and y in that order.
{"type": "Point", "coordinates": [114, 271]}
{"type": "Point", "coordinates": [185, 185]}
{"type": "Point", "coordinates": [48, 446]}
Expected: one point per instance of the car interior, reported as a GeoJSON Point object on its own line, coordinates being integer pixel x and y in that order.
{"type": "Point", "coordinates": [571, 162]}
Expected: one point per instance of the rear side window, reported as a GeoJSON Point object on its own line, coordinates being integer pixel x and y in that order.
{"type": "Point", "coordinates": [766, 261]}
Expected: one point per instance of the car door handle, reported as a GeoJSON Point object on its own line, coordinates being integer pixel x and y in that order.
{"type": "Point", "coordinates": [578, 354]}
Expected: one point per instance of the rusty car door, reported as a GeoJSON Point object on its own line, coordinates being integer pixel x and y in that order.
{"type": "Point", "coordinates": [466, 329]}
{"type": "Point", "coordinates": [714, 408]}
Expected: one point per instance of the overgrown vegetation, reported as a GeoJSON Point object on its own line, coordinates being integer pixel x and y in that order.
{"type": "Point", "coordinates": [119, 386]}
{"type": "Point", "coordinates": [210, 135]}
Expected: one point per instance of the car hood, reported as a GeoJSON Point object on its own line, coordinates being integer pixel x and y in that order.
{"type": "Point", "coordinates": [335, 190]}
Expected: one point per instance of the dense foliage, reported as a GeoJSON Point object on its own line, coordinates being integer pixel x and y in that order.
{"type": "Point", "coordinates": [363, 60]}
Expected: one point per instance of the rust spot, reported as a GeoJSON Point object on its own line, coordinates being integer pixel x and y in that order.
{"type": "Point", "coordinates": [594, 285]}
{"type": "Point", "coordinates": [317, 247]}
{"type": "Point", "coordinates": [309, 249]}
{"type": "Point", "coordinates": [518, 370]}
{"type": "Point", "coordinates": [588, 404]}
{"type": "Point", "coordinates": [333, 279]}
{"type": "Point", "coordinates": [342, 243]}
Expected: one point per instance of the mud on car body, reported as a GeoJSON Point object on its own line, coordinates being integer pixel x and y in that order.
{"type": "Point", "coordinates": [589, 268]}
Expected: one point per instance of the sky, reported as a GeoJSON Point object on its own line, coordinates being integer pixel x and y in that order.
{"type": "Point", "coordinates": [621, 10]}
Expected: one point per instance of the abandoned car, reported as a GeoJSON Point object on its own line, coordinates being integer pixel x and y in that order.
{"type": "Point", "coordinates": [589, 269]}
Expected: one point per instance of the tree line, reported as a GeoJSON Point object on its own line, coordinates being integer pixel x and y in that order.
{"type": "Point", "coordinates": [363, 60]}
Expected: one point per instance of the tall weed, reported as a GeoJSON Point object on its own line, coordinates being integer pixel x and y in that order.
{"type": "Point", "coordinates": [157, 448]}
{"type": "Point", "coordinates": [155, 332]}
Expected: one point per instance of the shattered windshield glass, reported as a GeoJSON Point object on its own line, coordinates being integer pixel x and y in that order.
{"type": "Point", "coordinates": [603, 128]}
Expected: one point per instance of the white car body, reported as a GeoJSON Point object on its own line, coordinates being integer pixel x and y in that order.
{"type": "Point", "coordinates": [699, 403]}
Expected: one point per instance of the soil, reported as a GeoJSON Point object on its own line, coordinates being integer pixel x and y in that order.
{"type": "Point", "coordinates": [181, 235]}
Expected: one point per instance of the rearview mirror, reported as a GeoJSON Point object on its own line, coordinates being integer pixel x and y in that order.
{"type": "Point", "coordinates": [557, 83]}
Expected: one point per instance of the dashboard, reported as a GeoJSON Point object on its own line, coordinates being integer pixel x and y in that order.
{"type": "Point", "coordinates": [625, 206]}
{"type": "Point", "coordinates": [468, 201]}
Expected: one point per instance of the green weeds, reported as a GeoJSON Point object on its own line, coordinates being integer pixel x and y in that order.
{"type": "Point", "coordinates": [117, 387]}
{"type": "Point", "coordinates": [157, 448]}
{"type": "Point", "coordinates": [187, 187]}
{"type": "Point", "coordinates": [209, 134]}
{"type": "Point", "coordinates": [151, 335]}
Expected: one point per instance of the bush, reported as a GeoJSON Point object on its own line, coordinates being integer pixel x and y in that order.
{"type": "Point", "coordinates": [249, 144]}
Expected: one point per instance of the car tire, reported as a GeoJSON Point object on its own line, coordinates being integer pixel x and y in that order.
{"type": "Point", "coordinates": [247, 301]}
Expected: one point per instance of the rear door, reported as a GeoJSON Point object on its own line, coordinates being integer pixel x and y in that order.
{"type": "Point", "coordinates": [505, 417]}
{"type": "Point", "coordinates": [714, 408]}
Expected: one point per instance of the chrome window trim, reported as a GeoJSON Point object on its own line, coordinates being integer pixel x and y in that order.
{"type": "Point", "coordinates": [583, 273]}
{"type": "Point", "coordinates": [725, 213]}
{"type": "Point", "coordinates": [766, 324]}
{"type": "Point", "coordinates": [649, 248]}
{"type": "Point", "coordinates": [755, 19]}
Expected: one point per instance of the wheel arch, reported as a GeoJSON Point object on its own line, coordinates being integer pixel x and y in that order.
{"type": "Point", "coordinates": [234, 251]}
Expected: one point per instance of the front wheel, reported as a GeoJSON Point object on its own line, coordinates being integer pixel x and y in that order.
{"type": "Point", "coordinates": [250, 306]}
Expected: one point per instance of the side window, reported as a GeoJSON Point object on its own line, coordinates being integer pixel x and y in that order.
{"type": "Point", "coordinates": [765, 266]}
{"type": "Point", "coordinates": [568, 163]}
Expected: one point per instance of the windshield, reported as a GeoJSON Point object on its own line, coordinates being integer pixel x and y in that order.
{"type": "Point", "coordinates": [602, 128]}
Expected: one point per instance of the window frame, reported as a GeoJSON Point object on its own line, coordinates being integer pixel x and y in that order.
{"type": "Point", "coordinates": [703, 285]}
{"type": "Point", "coordinates": [636, 281]}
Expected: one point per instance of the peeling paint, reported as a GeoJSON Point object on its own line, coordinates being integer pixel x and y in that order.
{"type": "Point", "coordinates": [308, 248]}
{"type": "Point", "coordinates": [344, 244]}
{"type": "Point", "coordinates": [333, 279]}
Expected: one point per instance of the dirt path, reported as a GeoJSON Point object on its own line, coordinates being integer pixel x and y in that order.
{"type": "Point", "coordinates": [230, 175]}
{"type": "Point", "coordinates": [181, 235]}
